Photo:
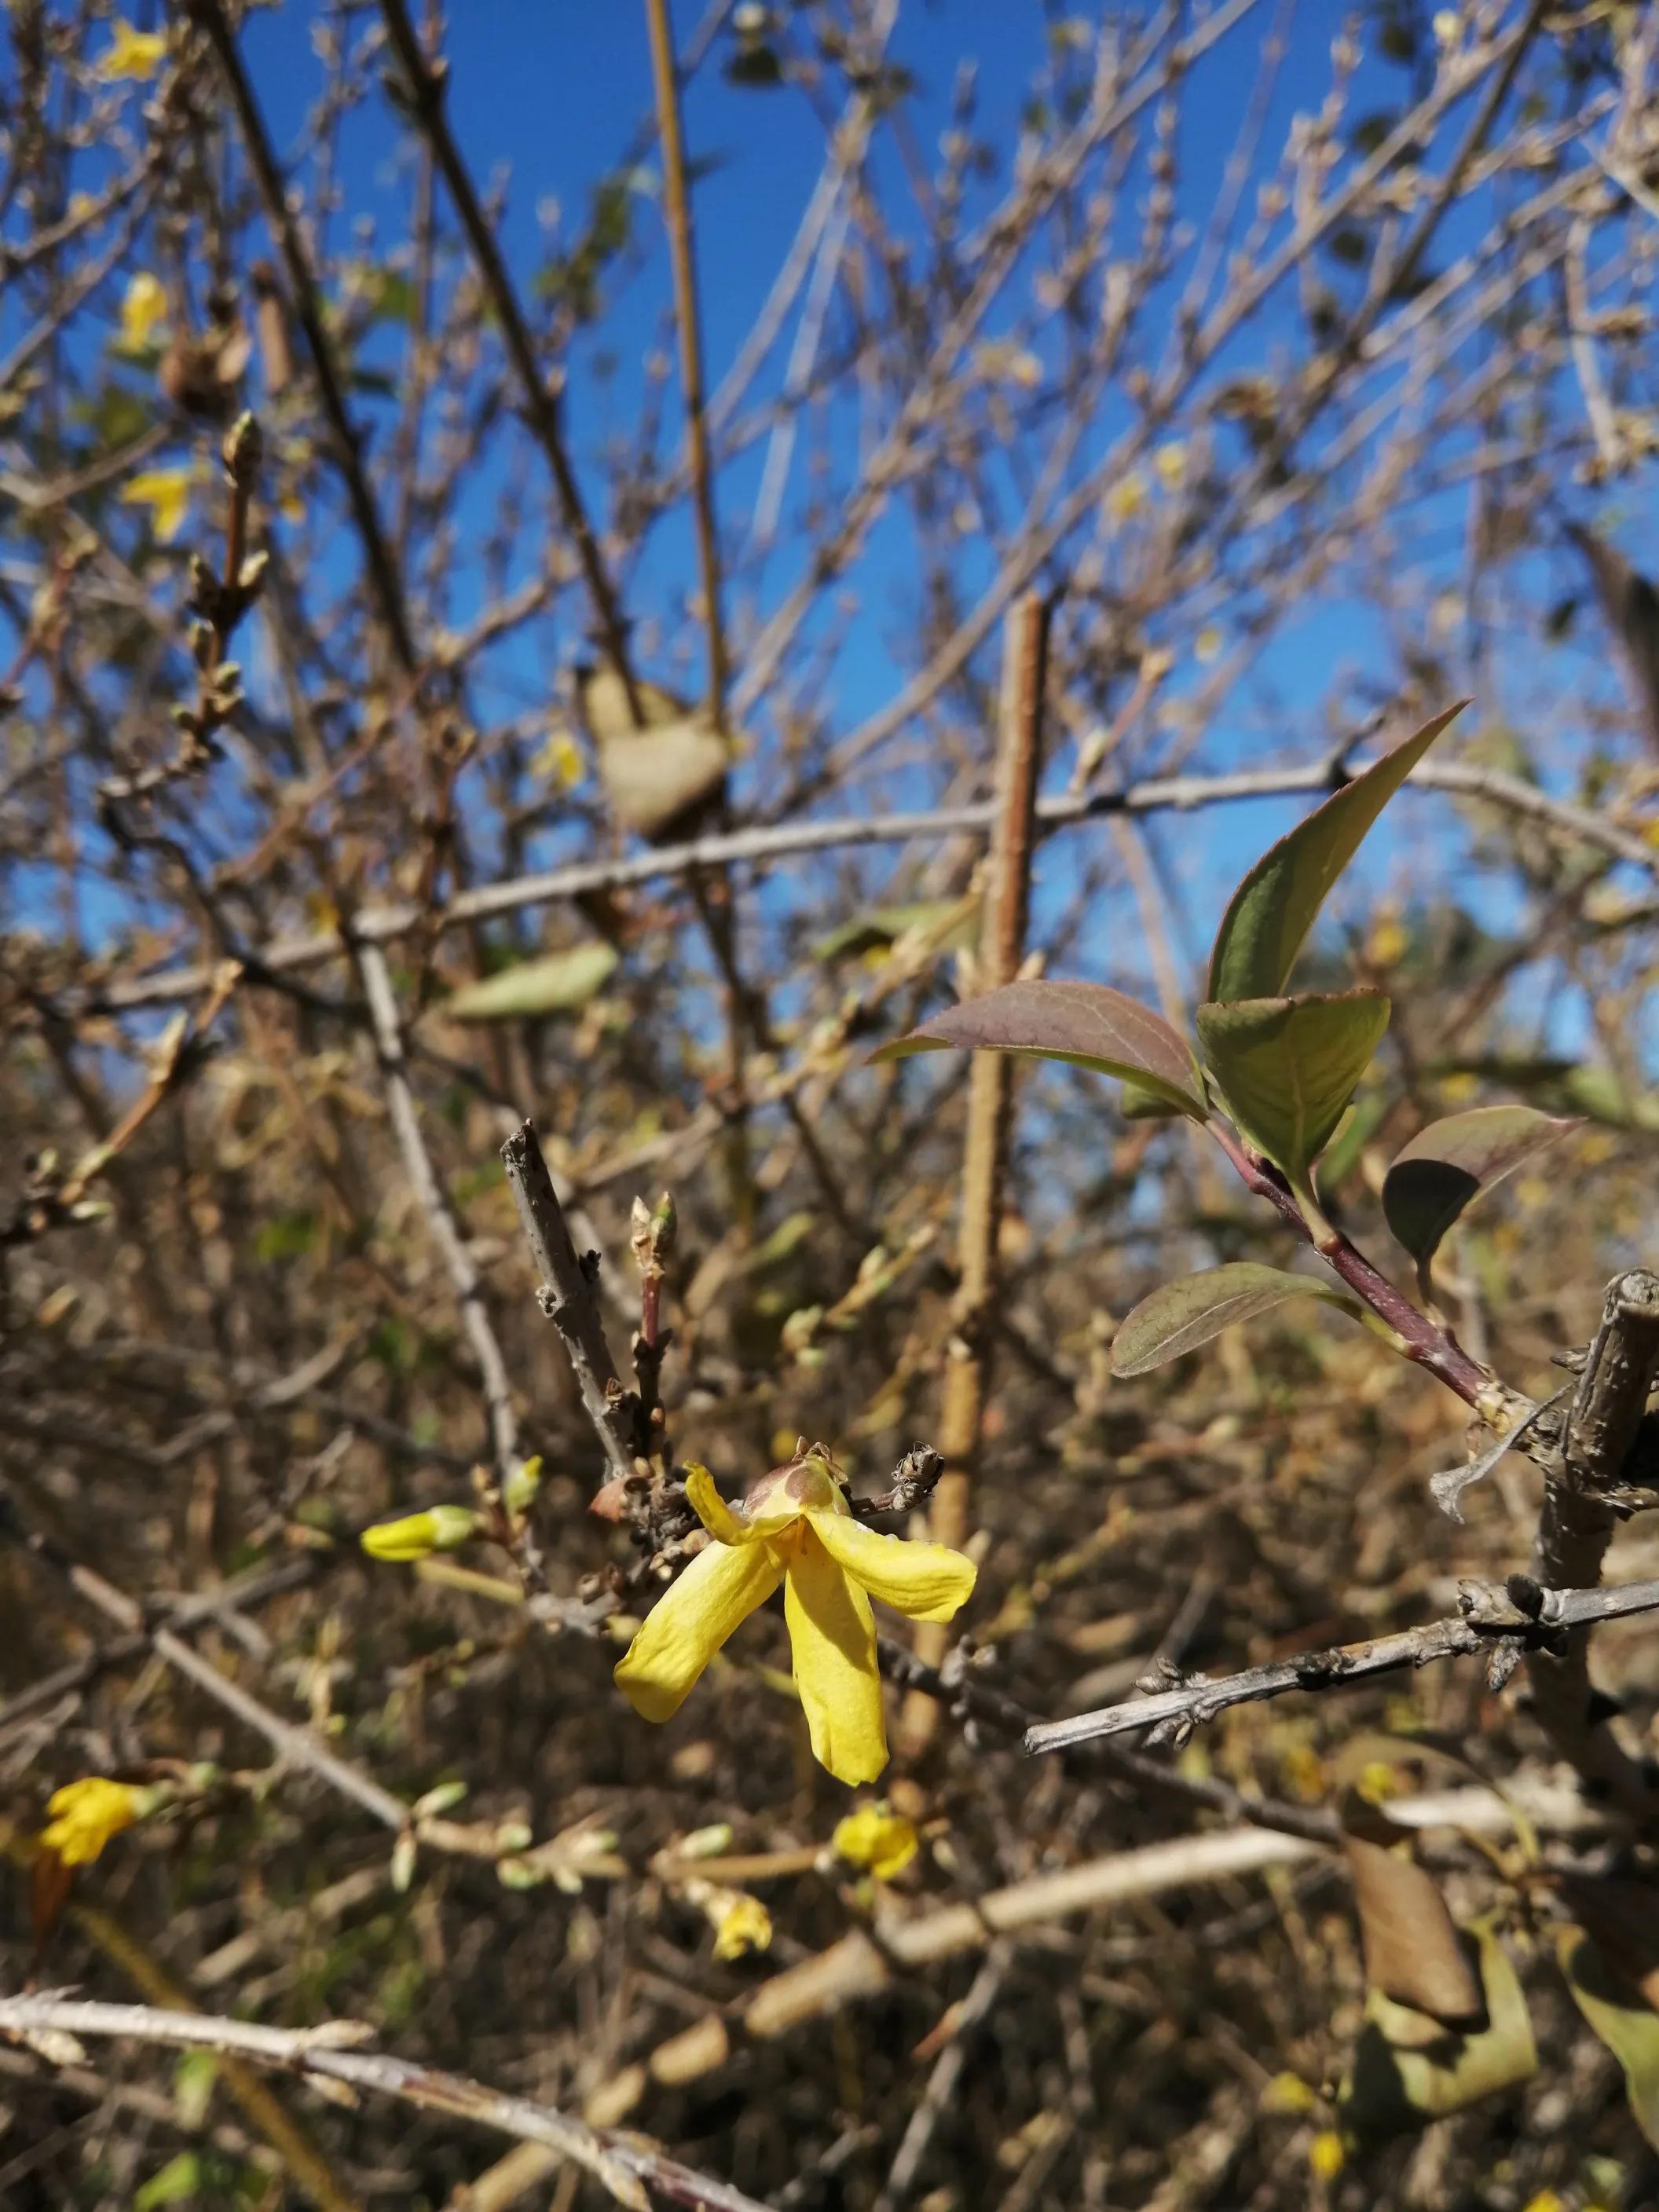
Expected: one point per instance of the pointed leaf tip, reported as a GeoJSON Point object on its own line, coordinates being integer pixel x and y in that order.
{"type": "Point", "coordinates": [1273, 909]}
{"type": "Point", "coordinates": [1179, 1316]}
{"type": "Point", "coordinates": [1088, 1025]}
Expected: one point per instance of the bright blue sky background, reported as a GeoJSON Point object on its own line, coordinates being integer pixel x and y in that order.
{"type": "Point", "coordinates": [552, 95]}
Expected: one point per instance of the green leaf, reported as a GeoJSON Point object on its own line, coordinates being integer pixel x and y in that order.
{"type": "Point", "coordinates": [1086, 1023]}
{"type": "Point", "coordinates": [1408, 2069]}
{"type": "Point", "coordinates": [1287, 1068]}
{"type": "Point", "coordinates": [947, 923]}
{"type": "Point", "coordinates": [1179, 1316]}
{"type": "Point", "coordinates": [558, 983]}
{"type": "Point", "coordinates": [178, 2182]}
{"type": "Point", "coordinates": [1629, 2029]}
{"type": "Point", "coordinates": [1273, 909]}
{"type": "Point", "coordinates": [1136, 1104]}
{"type": "Point", "coordinates": [1448, 1163]}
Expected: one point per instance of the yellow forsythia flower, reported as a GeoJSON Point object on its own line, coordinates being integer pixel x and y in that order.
{"type": "Point", "coordinates": [88, 1812]}
{"type": "Point", "coordinates": [796, 1528]}
{"type": "Point", "coordinates": [133, 53]}
{"type": "Point", "coordinates": [1326, 2155]}
{"type": "Point", "coordinates": [560, 761]}
{"type": "Point", "coordinates": [1207, 645]}
{"type": "Point", "coordinates": [417, 1535]}
{"type": "Point", "coordinates": [144, 306]}
{"type": "Point", "coordinates": [741, 1923]}
{"type": "Point", "coordinates": [1170, 462]}
{"type": "Point", "coordinates": [1126, 498]}
{"type": "Point", "coordinates": [166, 493]}
{"type": "Point", "coordinates": [874, 1838]}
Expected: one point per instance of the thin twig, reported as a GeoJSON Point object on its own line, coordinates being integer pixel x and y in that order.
{"type": "Point", "coordinates": [426, 81]}
{"type": "Point", "coordinates": [627, 2165]}
{"type": "Point", "coordinates": [566, 1297]}
{"type": "Point", "coordinates": [1489, 1616]}
{"type": "Point", "coordinates": [435, 1203]}
{"type": "Point", "coordinates": [767, 842]}
{"type": "Point", "coordinates": [344, 437]}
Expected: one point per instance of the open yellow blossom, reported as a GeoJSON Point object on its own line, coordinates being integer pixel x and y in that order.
{"type": "Point", "coordinates": [873, 1837]}
{"type": "Point", "coordinates": [88, 1812]}
{"type": "Point", "coordinates": [796, 1528]}
{"type": "Point", "coordinates": [166, 493]}
{"type": "Point", "coordinates": [143, 305]}
{"type": "Point", "coordinates": [133, 54]}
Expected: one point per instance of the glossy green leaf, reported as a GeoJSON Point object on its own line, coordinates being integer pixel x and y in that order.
{"type": "Point", "coordinates": [1448, 1163]}
{"type": "Point", "coordinates": [1136, 1104]}
{"type": "Point", "coordinates": [1629, 2028]}
{"type": "Point", "coordinates": [1408, 2069]}
{"type": "Point", "coordinates": [1086, 1023]}
{"type": "Point", "coordinates": [558, 983]}
{"type": "Point", "coordinates": [1287, 1068]}
{"type": "Point", "coordinates": [1180, 1316]}
{"type": "Point", "coordinates": [1273, 909]}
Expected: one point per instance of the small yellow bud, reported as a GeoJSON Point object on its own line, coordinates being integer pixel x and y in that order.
{"type": "Point", "coordinates": [1326, 2155]}
{"type": "Point", "coordinates": [417, 1535]}
{"type": "Point", "coordinates": [873, 1837]}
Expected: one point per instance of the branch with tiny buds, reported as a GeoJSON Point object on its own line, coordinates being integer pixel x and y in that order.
{"type": "Point", "coordinates": [1523, 1617]}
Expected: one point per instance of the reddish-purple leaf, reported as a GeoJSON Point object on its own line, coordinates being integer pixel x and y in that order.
{"type": "Point", "coordinates": [1087, 1023]}
{"type": "Point", "coordinates": [1452, 1162]}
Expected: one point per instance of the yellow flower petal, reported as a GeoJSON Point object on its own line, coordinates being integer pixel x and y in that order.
{"type": "Point", "coordinates": [712, 1509]}
{"type": "Point", "coordinates": [144, 306]}
{"type": "Point", "coordinates": [166, 492]}
{"type": "Point", "coordinates": [690, 1622]}
{"type": "Point", "coordinates": [926, 1581]}
{"type": "Point", "coordinates": [832, 1636]}
{"type": "Point", "coordinates": [741, 1923]}
{"type": "Point", "coordinates": [88, 1812]}
{"type": "Point", "coordinates": [133, 54]}
{"type": "Point", "coordinates": [872, 1837]}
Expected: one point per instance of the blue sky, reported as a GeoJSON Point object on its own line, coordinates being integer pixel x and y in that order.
{"type": "Point", "coordinates": [550, 96]}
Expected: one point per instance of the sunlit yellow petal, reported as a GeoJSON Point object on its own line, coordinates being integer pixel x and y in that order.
{"type": "Point", "coordinates": [166, 492]}
{"type": "Point", "coordinates": [712, 1509]}
{"type": "Point", "coordinates": [143, 305]}
{"type": "Point", "coordinates": [133, 54]}
{"type": "Point", "coordinates": [417, 1535]}
{"type": "Point", "coordinates": [832, 1635]}
{"type": "Point", "coordinates": [926, 1581]}
{"type": "Point", "coordinates": [88, 1812]}
{"type": "Point", "coordinates": [741, 1923]}
{"type": "Point", "coordinates": [690, 1622]}
{"type": "Point", "coordinates": [877, 1838]}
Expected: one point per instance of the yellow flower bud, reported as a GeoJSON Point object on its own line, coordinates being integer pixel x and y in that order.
{"type": "Point", "coordinates": [417, 1535]}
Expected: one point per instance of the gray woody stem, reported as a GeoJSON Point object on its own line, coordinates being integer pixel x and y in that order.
{"type": "Point", "coordinates": [435, 1204]}
{"type": "Point", "coordinates": [1487, 1621]}
{"type": "Point", "coordinates": [768, 841]}
{"type": "Point", "coordinates": [566, 1297]}
{"type": "Point", "coordinates": [1575, 1527]}
{"type": "Point", "coordinates": [627, 2165]}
